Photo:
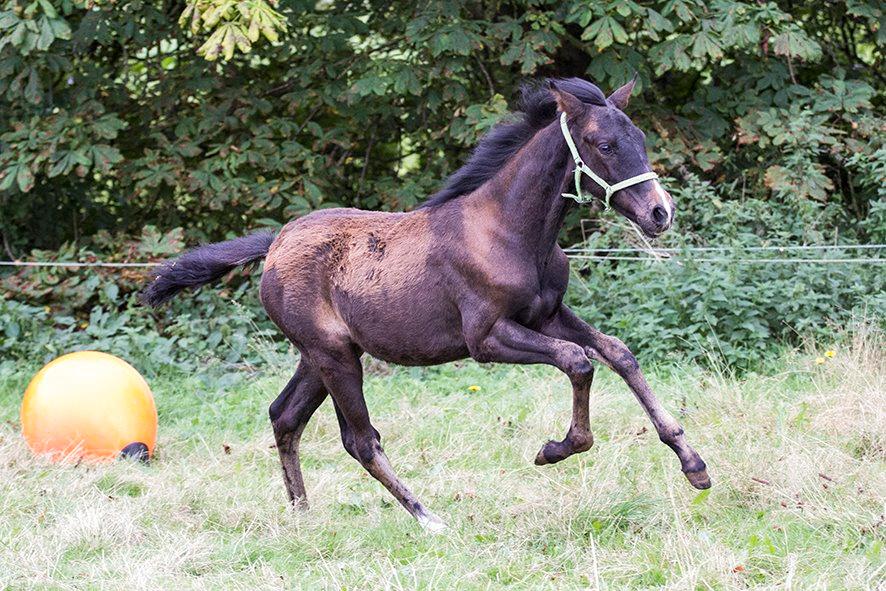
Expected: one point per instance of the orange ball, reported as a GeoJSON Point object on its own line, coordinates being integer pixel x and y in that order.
{"type": "Point", "coordinates": [89, 405]}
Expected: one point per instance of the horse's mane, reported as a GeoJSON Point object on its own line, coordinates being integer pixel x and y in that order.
{"type": "Point", "coordinates": [537, 109]}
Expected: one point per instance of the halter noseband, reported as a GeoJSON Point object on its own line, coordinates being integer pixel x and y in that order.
{"type": "Point", "coordinates": [581, 167]}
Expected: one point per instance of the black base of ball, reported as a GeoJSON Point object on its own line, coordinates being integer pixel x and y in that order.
{"type": "Point", "coordinates": [136, 451]}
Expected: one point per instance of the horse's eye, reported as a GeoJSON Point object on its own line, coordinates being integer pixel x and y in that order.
{"type": "Point", "coordinates": [604, 148]}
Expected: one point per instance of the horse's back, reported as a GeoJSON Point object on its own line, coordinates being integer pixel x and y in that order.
{"type": "Point", "coordinates": [345, 238]}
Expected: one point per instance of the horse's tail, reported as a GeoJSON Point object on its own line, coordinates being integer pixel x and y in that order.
{"type": "Point", "coordinates": [205, 264]}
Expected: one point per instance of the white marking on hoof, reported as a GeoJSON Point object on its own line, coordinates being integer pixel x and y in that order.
{"type": "Point", "coordinates": [431, 523]}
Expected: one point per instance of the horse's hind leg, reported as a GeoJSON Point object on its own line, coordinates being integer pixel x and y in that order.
{"type": "Point", "coordinates": [289, 414]}
{"type": "Point", "coordinates": [343, 376]}
{"type": "Point", "coordinates": [347, 435]}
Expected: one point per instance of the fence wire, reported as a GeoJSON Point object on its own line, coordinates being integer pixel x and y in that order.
{"type": "Point", "coordinates": [73, 264]}
{"type": "Point", "coordinates": [619, 254]}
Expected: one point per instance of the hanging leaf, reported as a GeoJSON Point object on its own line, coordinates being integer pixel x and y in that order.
{"type": "Point", "coordinates": [103, 156]}
{"type": "Point", "coordinates": [232, 25]}
{"type": "Point", "coordinates": [25, 178]}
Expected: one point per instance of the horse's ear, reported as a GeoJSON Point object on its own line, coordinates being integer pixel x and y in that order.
{"type": "Point", "coordinates": [566, 102]}
{"type": "Point", "coordinates": [622, 96]}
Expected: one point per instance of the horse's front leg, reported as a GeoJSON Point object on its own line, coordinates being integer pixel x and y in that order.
{"type": "Point", "coordinates": [579, 437]}
{"type": "Point", "coordinates": [613, 353]}
{"type": "Point", "coordinates": [505, 341]}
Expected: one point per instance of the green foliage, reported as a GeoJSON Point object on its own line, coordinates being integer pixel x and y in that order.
{"type": "Point", "coordinates": [110, 115]}
{"type": "Point", "coordinates": [55, 310]}
{"type": "Point", "coordinates": [206, 329]}
{"type": "Point", "coordinates": [737, 314]}
{"type": "Point", "coordinates": [234, 25]}
{"type": "Point", "coordinates": [114, 115]}
{"type": "Point", "coordinates": [734, 308]}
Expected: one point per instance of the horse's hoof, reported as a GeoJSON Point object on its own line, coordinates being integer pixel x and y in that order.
{"type": "Point", "coordinates": [551, 458]}
{"type": "Point", "coordinates": [557, 451]}
{"type": "Point", "coordinates": [299, 503]}
{"type": "Point", "coordinates": [699, 480]}
{"type": "Point", "coordinates": [432, 524]}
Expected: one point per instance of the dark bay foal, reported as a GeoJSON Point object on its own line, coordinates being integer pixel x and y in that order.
{"type": "Point", "coordinates": [475, 272]}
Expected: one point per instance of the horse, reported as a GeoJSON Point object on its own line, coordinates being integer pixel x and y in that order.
{"type": "Point", "coordinates": [475, 271]}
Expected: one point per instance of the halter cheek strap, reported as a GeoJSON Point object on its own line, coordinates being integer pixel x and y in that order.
{"type": "Point", "coordinates": [581, 167]}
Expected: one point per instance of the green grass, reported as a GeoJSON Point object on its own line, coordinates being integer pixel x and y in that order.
{"type": "Point", "coordinates": [797, 457]}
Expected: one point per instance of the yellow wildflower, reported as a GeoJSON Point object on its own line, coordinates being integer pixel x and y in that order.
{"type": "Point", "coordinates": [830, 353]}
{"type": "Point", "coordinates": [84, 325]}
{"type": "Point", "coordinates": [473, 388]}
{"type": "Point", "coordinates": [819, 360]}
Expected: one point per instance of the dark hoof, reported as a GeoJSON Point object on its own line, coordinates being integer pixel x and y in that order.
{"type": "Point", "coordinates": [555, 451]}
{"type": "Point", "coordinates": [551, 453]}
{"type": "Point", "coordinates": [540, 459]}
{"type": "Point", "coordinates": [136, 451]}
{"type": "Point", "coordinates": [699, 480]}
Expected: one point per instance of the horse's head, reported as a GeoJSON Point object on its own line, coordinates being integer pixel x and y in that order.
{"type": "Point", "coordinates": [614, 150]}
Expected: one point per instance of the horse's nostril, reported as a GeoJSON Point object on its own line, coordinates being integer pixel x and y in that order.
{"type": "Point", "coordinates": [659, 215]}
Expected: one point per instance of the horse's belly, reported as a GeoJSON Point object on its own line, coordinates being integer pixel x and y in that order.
{"type": "Point", "coordinates": [431, 352]}
{"type": "Point", "coordinates": [407, 332]}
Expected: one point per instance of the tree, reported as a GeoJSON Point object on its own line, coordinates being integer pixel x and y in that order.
{"type": "Point", "coordinates": [216, 116]}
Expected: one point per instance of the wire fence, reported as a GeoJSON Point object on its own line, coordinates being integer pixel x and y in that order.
{"type": "Point", "coordinates": [720, 254]}
{"type": "Point", "coordinates": [743, 248]}
{"type": "Point", "coordinates": [861, 261]}
{"type": "Point", "coordinates": [709, 254]}
{"type": "Point", "coordinates": [74, 264]}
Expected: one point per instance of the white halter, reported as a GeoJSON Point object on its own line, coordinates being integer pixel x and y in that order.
{"type": "Point", "coordinates": [581, 167]}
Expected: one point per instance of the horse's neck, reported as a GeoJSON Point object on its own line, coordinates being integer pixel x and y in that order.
{"type": "Point", "coordinates": [526, 193]}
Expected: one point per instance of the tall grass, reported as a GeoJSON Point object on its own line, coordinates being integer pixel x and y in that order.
{"type": "Point", "coordinates": [797, 458]}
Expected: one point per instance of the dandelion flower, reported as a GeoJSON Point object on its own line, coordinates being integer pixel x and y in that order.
{"type": "Point", "coordinates": [819, 360]}
{"type": "Point", "coordinates": [830, 353]}
{"type": "Point", "coordinates": [473, 388]}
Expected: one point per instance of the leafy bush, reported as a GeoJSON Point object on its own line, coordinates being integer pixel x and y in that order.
{"type": "Point", "coordinates": [736, 309]}
{"type": "Point", "coordinates": [727, 311]}
{"type": "Point", "coordinates": [210, 329]}
{"type": "Point", "coordinates": [737, 314]}
{"type": "Point", "coordinates": [120, 141]}
{"type": "Point", "coordinates": [49, 311]}
{"type": "Point", "coordinates": [110, 117]}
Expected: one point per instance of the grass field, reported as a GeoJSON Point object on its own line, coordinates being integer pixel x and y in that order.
{"type": "Point", "coordinates": [797, 457]}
